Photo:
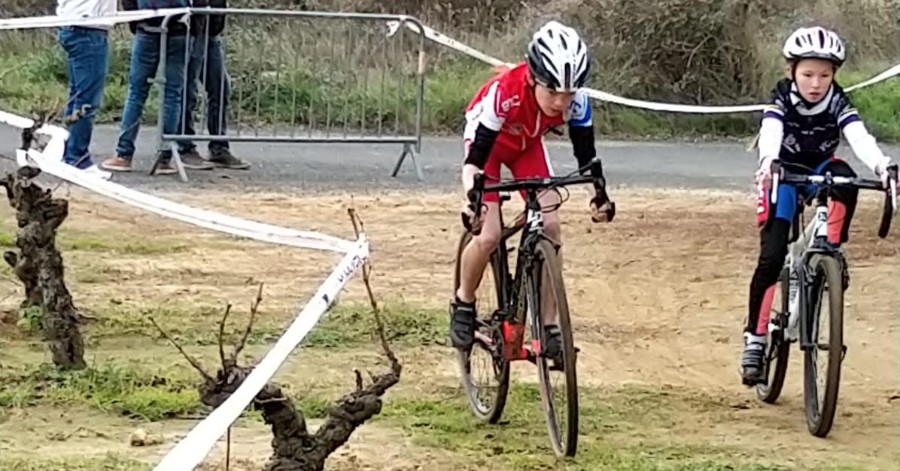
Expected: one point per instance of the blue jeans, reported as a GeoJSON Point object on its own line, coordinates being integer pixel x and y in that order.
{"type": "Point", "coordinates": [145, 60]}
{"type": "Point", "coordinates": [88, 63]}
{"type": "Point", "coordinates": [208, 65]}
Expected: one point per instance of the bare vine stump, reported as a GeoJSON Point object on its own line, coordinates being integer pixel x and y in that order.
{"type": "Point", "coordinates": [39, 265]}
{"type": "Point", "coordinates": [294, 448]}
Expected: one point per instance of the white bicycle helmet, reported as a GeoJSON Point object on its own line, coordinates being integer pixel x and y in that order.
{"type": "Point", "coordinates": [558, 58]}
{"type": "Point", "coordinates": [815, 43]}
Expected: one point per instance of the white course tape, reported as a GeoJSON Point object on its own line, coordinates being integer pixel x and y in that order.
{"type": "Point", "coordinates": [53, 21]}
{"type": "Point", "coordinates": [608, 97]}
{"type": "Point", "coordinates": [50, 161]}
{"type": "Point", "coordinates": [192, 450]}
{"type": "Point", "coordinates": [199, 217]}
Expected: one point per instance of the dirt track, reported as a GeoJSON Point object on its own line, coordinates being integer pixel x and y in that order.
{"type": "Point", "coordinates": [657, 297]}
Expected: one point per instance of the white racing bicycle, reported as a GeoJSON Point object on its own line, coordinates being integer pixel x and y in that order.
{"type": "Point", "coordinates": [813, 272]}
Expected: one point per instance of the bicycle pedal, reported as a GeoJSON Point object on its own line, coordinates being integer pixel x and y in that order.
{"type": "Point", "coordinates": [843, 352]}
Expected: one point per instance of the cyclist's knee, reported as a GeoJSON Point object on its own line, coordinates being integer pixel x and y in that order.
{"type": "Point", "coordinates": [552, 226]}
{"type": "Point", "coordinates": [840, 168]}
{"type": "Point", "coordinates": [490, 228]}
{"type": "Point", "coordinates": [489, 237]}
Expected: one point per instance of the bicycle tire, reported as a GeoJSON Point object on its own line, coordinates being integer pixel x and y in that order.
{"type": "Point", "coordinates": [820, 419]}
{"type": "Point", "coordinates": [492, 413]}
{"type": "Point", "coordinates": [546, 256]}
{"type": "Point", "coordinates": [779, 350]}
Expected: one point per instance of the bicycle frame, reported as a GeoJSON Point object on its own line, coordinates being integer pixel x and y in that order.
{"type": "Point", "coordinates": [814, 241]}
{"type": "Point", "coordinates": [511, 288]}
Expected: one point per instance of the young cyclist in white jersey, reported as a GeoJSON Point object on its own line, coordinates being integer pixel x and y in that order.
{"type": "Point", "coordinates": [802, 127]}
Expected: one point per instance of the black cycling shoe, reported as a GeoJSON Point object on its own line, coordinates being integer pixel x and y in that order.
{"type": "Point", "coordinates": [552, 348]}
{"type": "Point", "coordinates": [752, 361]}
{"type": "Point", "coordinates": [553, 343]}
{"type": "Point", "coordinates": [462, 324]}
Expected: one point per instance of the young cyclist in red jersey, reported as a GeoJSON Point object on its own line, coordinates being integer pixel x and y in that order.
{"type": "Point", "coordinates": [506, 122]}
{"type": "Point", "coordinates": [802, 127]}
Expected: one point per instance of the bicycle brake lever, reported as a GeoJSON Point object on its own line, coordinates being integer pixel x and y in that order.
{"type": "Point", "coordinates": [892, 186]}
{"type": "Point", "coordinates": [775, 170]}
{"type": "Point", "coordinates": [475, 196]}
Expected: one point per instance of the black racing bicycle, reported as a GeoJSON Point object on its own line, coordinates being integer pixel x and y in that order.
{"type": "Point", "coordinates": [500, 329]}
{"type": "Point", "coordinates": [818, 272]}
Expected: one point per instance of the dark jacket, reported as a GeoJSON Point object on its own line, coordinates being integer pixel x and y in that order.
{"type": "Point", "coordinates": [175, 25]}
{"type": "Point", "coordinates": [216, 22]}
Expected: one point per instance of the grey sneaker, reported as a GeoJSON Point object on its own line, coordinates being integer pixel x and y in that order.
{"type": "Point", "coordinates": [225, 159]}
{"type": "Point", "coordinates": [192, 160]}
{"type": "Point", "coordinates": [753, 358]}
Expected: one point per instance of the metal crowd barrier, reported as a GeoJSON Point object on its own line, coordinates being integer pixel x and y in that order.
{"type": "Point", "coordinates": [299, 77]}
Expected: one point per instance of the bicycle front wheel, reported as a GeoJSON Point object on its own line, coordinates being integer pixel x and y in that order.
{"type": "Point", "coordinates": [560, 403]}
{"type": "Point", "coordinates": [826, 291]}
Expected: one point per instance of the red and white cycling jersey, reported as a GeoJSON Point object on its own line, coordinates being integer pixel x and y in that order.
{"type": "Point", "coordinates": [506, 104]}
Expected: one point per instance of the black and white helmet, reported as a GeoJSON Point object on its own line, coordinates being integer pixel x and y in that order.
{"type": "Point", "coordinates": [815, 43]}
{"type": "Point", "coordinates": [558, 58]}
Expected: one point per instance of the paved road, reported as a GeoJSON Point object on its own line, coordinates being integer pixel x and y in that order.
{"type": "Point", "coordinates": [304, 166]}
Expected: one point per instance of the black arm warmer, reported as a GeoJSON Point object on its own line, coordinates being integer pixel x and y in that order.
{"type": "Point", "coordinates": [582, 138]}
{"type": "Point", "coordinates": [481, 146]}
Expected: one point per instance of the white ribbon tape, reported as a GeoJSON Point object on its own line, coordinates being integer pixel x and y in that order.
{"type": "Point", "coordinates": [442, 39]}
{"type": "Point", "coordinates": [50, 161]}
{"type": "Point", "coordinates": [53, 21]}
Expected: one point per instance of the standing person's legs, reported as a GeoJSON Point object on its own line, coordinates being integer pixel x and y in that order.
{"type": "Point", "coordinates": [218, 89]}
{"type": "Point", "coordinates": [87, 50]}
{"type": "Point", "coordinates": [144, 62]}
{"type": "Point", "coordinates": [186, 121]}
{"type": "Point", "coordinates": [178, 49]}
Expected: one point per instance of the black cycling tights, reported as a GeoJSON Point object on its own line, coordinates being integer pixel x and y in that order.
{"type": "Point", "coordinates": [774, 246]}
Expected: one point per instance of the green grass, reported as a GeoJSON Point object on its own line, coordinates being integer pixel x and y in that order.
{"type": "Point", "coordinates": [353, 324]}
{"type": "Point", "coordinates": [107, 462]}
{"type": "Point", "coordinates": [346, 325]}
{"type": "Point", "coordinates": [624, 429]}
{"type": "Point", "coordinates": [69, 240]}
{"type": "Point", "coordinates": [133, 389]}
{"type": "Point", "coordinates": [130, 390]}
{"type": "Point", "coordinates": [34, 73]}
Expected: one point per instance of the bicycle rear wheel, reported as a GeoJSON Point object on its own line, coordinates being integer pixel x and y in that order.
{"type": "Point", "coordinates": [484, 362]}
{"type": "Point", "coordinates": [826, 279]}
{"type": "Point", "coordinates": [562, 419]}
{"type": "Point", "coordinates": [778, 351]}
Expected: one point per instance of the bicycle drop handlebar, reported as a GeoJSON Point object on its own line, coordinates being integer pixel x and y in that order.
{"type": "Point", "coordinates": [829, 181]}
{"type": "Point", "coordinates": [476, 194]}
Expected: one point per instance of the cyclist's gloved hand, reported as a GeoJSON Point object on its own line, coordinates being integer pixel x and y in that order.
{"type": "Point", "coordinates": [764, 173]}
{"type": "Point", "coordinates": [599, 209]}
{"type": "Point", "coordinates": [468, 217]}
